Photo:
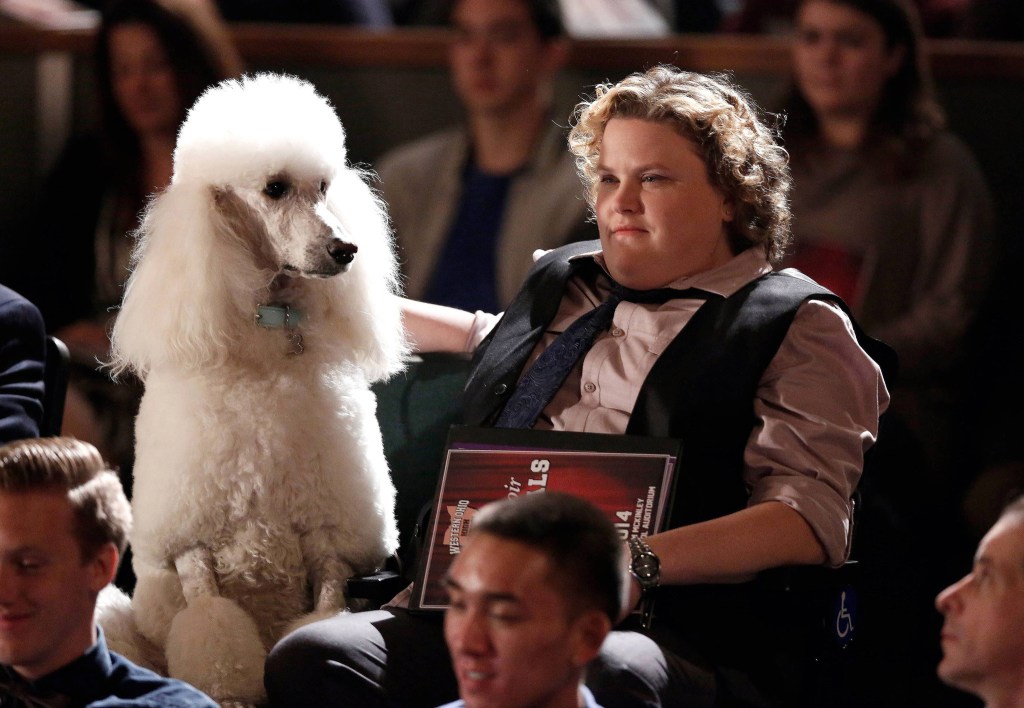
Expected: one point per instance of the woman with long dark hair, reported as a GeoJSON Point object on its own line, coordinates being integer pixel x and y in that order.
{"type": "Point", "coordinates": [152, 60]}
{"type": "Point", "coordinates": [891, 211]}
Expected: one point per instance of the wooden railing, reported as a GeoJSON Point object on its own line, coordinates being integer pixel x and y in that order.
{"type": "Point", "coordinates": [424, 47]}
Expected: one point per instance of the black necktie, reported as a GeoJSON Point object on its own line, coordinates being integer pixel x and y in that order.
{"type": "Point", "coordinates": [16, 692]}
{"type": "Point", "coordinates": [539, 384]}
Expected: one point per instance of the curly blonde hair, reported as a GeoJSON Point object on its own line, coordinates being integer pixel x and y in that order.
{"type": "Point", "coordinates": [744, 161]}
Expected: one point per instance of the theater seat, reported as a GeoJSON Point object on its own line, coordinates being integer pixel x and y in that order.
{"type": "Point", "coordinates": [55, 386]}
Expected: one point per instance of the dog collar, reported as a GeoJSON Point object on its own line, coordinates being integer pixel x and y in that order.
{"type": "Point", "coordinates": [281, 317]}
{"type": "Point", "coordinates": [278, 317]}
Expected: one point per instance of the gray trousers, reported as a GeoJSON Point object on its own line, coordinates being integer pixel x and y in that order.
{"type": "Point", "coordinates": [394, 658]}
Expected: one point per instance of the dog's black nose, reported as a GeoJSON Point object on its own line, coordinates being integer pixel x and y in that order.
{"type": "Point", "coordinates": [343, 253]}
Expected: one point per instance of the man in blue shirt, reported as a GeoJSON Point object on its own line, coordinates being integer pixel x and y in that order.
{"type": "Point", "coordinates": [64, 521]}
{"type": "Point", "coordinates": [470, 204]}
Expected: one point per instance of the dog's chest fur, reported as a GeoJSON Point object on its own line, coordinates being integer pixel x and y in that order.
{"type": "Point", "coordinates": [286, 453]}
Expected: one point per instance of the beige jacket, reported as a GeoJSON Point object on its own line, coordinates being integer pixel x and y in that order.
{"type": "Point", "coordinates": [421, 183]}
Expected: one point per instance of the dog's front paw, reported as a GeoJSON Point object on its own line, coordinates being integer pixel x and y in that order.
{"type": "Point", "coordinates": [214, 645]}
{"type": "Point", "coordinates": [237, 704]}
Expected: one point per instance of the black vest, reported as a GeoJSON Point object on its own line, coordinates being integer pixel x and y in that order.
{"type": "Point", "coordinates": [701, 390]}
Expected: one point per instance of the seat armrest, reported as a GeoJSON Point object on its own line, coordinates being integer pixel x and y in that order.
{"type": "Point", "coordinates": [378, 588]}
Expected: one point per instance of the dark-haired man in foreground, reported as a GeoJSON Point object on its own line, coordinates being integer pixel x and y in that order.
{"type": "Point", "coordinates": [533, 593]}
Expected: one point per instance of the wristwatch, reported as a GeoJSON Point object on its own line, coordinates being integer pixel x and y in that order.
{"type": "Point", "coordinates": [644, 565]}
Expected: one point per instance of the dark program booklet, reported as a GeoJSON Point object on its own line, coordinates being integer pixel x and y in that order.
{"type": "Point", "coordinates": [630, 477]}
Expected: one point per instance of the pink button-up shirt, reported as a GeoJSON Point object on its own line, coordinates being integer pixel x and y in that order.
{"type": "Point", "coordinates": [817, 404]}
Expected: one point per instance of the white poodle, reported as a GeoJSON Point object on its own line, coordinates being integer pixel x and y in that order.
{"type": "Point", "coordinates": [259, 311]}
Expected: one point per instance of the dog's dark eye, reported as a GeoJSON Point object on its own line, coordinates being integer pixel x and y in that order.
{"type": "Point", "coordinates": [323, 187]}
{"type": "Point", "coordinates": [276, 190]}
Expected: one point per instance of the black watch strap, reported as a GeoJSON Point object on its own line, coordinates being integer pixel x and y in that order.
{"type": "Point", "coordinates": [644, 564]}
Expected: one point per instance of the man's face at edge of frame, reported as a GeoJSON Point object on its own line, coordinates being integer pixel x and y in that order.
{"type": "Point", "coordinates": [47, 590]}
{"type": "Point", "coordinates": [983, 633]}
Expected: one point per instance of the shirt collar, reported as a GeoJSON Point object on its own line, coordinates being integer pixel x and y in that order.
{"type": "Point", "coordinates": [724, 280]}
{"type": "Point", "coordinates": [85, 677]}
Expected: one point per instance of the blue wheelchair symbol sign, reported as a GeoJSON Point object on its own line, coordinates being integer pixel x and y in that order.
{"type": "Point", "coordinates": [844, 613]}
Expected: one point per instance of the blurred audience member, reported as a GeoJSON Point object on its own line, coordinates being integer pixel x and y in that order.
{"type": "Point", "coordinates": [470, 205]}
{"type": "Point", "coordinates": [892, 212]}
{"type": "Point", "coordinates": [22, 361]}
{"type": "Point", "coordinates": [365, 13]}
{"type": "Point", "coordinates": [153, 59]}
{"type": "Point", "coordinates": [983, 634]}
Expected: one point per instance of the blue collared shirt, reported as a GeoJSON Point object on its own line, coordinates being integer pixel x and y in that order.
{"type": "Point", "coordinates": [102, 679]}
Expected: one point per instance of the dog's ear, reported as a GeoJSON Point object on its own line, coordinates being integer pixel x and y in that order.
{"type": "Point", "coordinates": [237, 221]}
{"type": "Point", "coordinates": [365, 311]}
{"type": "Point", "coordinates": [178, 305]}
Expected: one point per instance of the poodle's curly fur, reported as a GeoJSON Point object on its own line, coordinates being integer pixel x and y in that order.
{"type": "Point", "coordinates": [260, 483]}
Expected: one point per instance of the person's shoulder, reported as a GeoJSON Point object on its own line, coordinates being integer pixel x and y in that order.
{"type": "Point", "coordinates": [945, 146]}
{"type": "Point", "coordinates": [551, 177]}
{"type": "Point", "coordinates": [10, 297]}
{"type": "Point", "coordinates": [947, 163]}
{"type": "Point", "coordinates": [134, 686]}
{"type": "Point", "coordinates": [553, 145]}
{"type": "Point", "coordinates": [14, 306]}
{"type": "Point", "coordinates": [421, 152]}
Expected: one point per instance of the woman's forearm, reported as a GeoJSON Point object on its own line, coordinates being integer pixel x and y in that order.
{"type": "Point", "coordinates": [435, 328]}
{"type": "Point", "coordinates": [737, 546]}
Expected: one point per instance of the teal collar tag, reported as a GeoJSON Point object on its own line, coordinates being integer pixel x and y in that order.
{"type": "Point", "coordinates": [278, 317]}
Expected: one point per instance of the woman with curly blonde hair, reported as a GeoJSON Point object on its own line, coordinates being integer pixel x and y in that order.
{"type": "Point", "coordinates": [763, 376]}
{"type": "Point", "coordinates": [743, 159]}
